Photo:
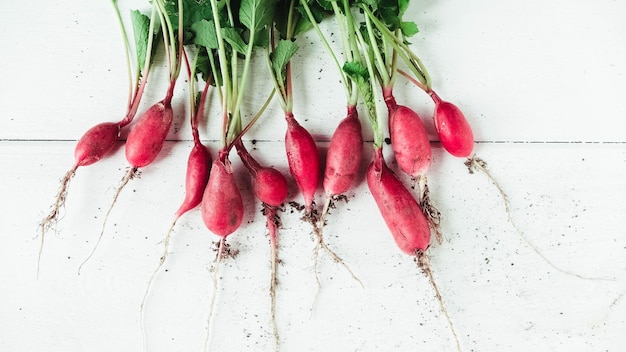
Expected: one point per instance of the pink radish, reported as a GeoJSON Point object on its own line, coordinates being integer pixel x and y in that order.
{"type": "Point", "coordinates": [303, 160]}
{"type": "Point", "coordinates": [404, 218]}
{"type": "Point", "coordinates": [401, 212]}
{"type": "Point", "coordinates": [143, 144]}
{"type": "Point", "coordinates": [344, 155]}
{"type": "Point", "coordinates": [222, 205]}
{"type": "Point", "coordinates": [270, 187]}
{"type": "Point", "coordinates": [453, 129]}
{"type": "Point", "coordinates": [342, 165]}
{"type": "Point", "coordinates": [409, 140]}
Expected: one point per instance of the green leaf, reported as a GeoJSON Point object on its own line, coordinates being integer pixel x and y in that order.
{"type": "Point", "coordinates": [256, 14]}
{"type": "Point", "coordinates": [141, 27]}
{"type": "Point", "coordinates": [408, 29]}
{"type": "Point", "coordinates": [403, 5]}
{"type": "Point", "coordinates": [233, 37]}
{"type": "Point", "coordinates": [194, 11]}
{"type": "Point", "coordinates": [206, 35]}
{"type": "Point", "coordinates": [356, 70]}
{"type": "Point", "coordinates": [280, 57]}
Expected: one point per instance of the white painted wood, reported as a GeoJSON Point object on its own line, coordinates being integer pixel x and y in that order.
{"type": "Point", "coordinates": [527, 74]}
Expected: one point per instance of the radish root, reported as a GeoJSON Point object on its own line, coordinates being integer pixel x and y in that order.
{"type": "Point", "coordinates": [475, 163]}
{"type": "Point", "coordinates": [132, 173]}
{"type": "Point", "coordinates": [433, 215]}
{"type": "Point", "coordinates": [273, 224]}
{"type": "Point", "coordinates": [222, 251]}
{"type": "Point", "coordinates": [49, 221]}
{"type": "Point", "coordinates": [423, 264]}
{"type": "Point", "coordinates": [166, 245]}
{"type": "Point", "coordinates": [321, 244]}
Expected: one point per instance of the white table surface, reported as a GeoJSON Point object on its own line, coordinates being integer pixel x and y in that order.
{"type": "Point", "coordinates": [543, 84]}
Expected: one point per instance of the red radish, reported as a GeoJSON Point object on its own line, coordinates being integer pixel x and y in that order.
{"type": "Point", "coordinates": [342, 165]}
{"type": "Point", "coordinates": [344, 155]}
{"type": "Point", "coordinates": [270, 187]}
{"type": "Point", "coordinates": [143, 144]}
{"type": "Point", "coordinates": [91, 147]}
{"type": "Point", "coordinates": [303, 160]}
{"type": "Point", "coordinates": [401, 212]}
{"type": "Point", "coordinates": [222, 205]}
{"type": "Point", "coordinates": [409, 140]}
{"type": "Point", "coordinates": [146, 137]}
{"type": "Point", "coordinates": [269, 184]}
{"type": "Point", "coordinates": [196, 179]}
{"type": "Point", "coordinates": [453, 130]}
{"type": "Point", "coordinates": [404, 218]}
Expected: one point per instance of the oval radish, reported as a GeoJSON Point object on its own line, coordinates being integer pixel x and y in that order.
{"type": "Point", "coordinates": [403, 216]}
{"type": "Point", "coordinates": [409, 141]}
{"type": "Point", "coordinates": [344, 155]}
{"type": "Point", "coordinates": [146, 137]}
{"type": "Point", "coordinates": [453, 130]}
{"type": "Point", "coordinates": [96, 143]}
{"type": "Point", "coordinates": [196, 179]}
{"type": "Point", "coordinates": [222, 205]}
{"type": "Point", "coordinates": [269, 184]}
{"type": "Point", "coordinates": [303, 159]}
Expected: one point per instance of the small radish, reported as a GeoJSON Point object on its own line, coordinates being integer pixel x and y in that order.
{"type": "Point", "coordinates": [344, 155]}
{"type": "Point", "coordinates": [303, 160]}
{"type": "Point", "coordinates": [342, 165]}
{"type": "Point", "coordinates": [222, 205]}
{"type": "Point", "coordinates": [143, 144]}
{"type": "Point", "coordinates": [453, 130]}
{"type": "Point", "coordinates": [270, 187]}
{"type": "Point", "coordinates": [409, 140]}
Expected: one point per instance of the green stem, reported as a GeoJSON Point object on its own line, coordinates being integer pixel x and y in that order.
{"type": "Point", "coordinates": [344, 79]}
{"type": "Point", "coordinates": [223, 62]}
{"type": "Point", "coordinates": [131, 83]}
{"type": "Point", "coordinates": [380, 62]}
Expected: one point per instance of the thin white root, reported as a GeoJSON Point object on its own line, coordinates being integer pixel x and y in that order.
{"type": "Point", "coordinates": [319, 228]}
{"type": "Point", "coordinates": [477, 164]}
{"type": "Point", "coordinates": [127, 177]}
{"type": "Point", "coordinates": [52, 218]}
{"type": "Point", "coordinates": [273, 223]}
{"type": "Point", "coordinates": [422, 263]}
{"type": "Point", "coordinates": [218, 260]}
{"type": "Point", "coordinates": [166, 245]}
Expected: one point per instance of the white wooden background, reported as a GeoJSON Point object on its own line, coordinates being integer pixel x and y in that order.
{"type": "Point", "coordinates": [542, 82]}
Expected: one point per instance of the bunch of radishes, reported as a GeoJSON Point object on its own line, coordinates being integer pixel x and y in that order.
{"type": "Point", "coordinates": [217, 41]}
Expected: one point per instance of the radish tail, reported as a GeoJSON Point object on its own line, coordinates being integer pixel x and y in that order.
{"type": "Point", "coordinates": [166, 245]}
{"type": "Point", "coordinates": [53, 216]}
{"type": "Point", "coordinates": [422, 263]}
{"type": "Point", "coordinates": [129, 175]}
{"type": "Point", "coordinates": [433, 215]}
{"type": "Point", "coordinates": [321, 244]}
{"type": "Point", "coordinates": [473, 164]}
{"type": "Point", "coordinates": [218, 260]}
{"type": "Point", "coordinates": [273, 222]}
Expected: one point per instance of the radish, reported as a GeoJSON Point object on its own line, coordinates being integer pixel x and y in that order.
{"type": "Point", "coordinates": [98, 141]}
{"type": "Point", "coordinates": [453, 129]}
{"type": "Point", "coordinates": [303, 159]}
{"type": "Point", "coordinates": [222, 205]}
{"type": "Point", "coordinates": [345, 149]}
{"type": "Point", "coordinates": [402, 214]}
{"type": "Point", "coordinates": [270, 187]}
{"type": "Point", "coordinates": [148, 133]}
{"type": "Point", "coordinates": [196, 178]}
